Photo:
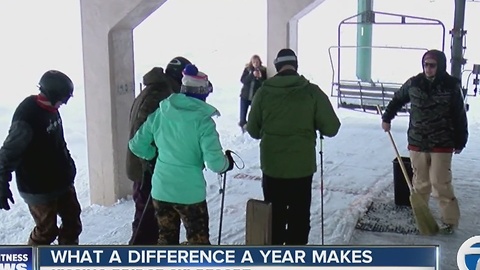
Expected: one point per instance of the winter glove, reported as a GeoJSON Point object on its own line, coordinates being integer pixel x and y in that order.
{"type": "Point", "coordinates": [5, 195]}
{"type": "Point", "coordinates": [151, 165]}
{"type": "Point", "coordinates": [231, 162]}
{"type": "Point", "coordinates": [146, 185]}
{"type": "Point", "coordinates": [148, 166]}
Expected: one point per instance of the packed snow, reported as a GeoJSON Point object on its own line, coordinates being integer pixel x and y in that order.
{"type": "Point", "coordinates": [357, 162]}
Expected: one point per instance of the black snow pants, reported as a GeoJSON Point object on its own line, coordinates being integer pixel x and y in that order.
{"type": "Point", "coordinates": [146, 227]}
{"type": "Point", "coordinates": [291, 200]}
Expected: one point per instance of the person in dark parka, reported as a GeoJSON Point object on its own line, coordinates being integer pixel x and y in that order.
{"type": "Point", "coordinates": [438, 128]}
{"type": "Point", "coordinates": [158, 86]}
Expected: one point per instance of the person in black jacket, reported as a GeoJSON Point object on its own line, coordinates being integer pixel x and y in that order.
{"type": "Point", "coordinates": [438, 128]}
{"type": "Point", "coordinates": [252, 78]}
{"type": "Point", "coordinates": [36, 150]}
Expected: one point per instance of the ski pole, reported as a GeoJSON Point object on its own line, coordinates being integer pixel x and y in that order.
{"type": "Point", "coordinates": [321, 186]}
{"type": "Point", "coordinates": [142, 217]}
{"type": "Point", "coordinates": [223, 183]}
{"type": "Point", "coordinates": [222, 190]}
{"type": "Point", "coordinates": [147, 203]}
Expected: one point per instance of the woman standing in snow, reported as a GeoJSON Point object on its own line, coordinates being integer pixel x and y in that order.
{"type": "Point", "coordinates": [185, 135]}
{"type": "Point", "coordinates": [252, 78]}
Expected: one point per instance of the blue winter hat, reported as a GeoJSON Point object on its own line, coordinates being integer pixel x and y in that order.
{"type": "Point", "coordinates": [190, 70]}
{"type": "Point", "coordinates": [195, 83]}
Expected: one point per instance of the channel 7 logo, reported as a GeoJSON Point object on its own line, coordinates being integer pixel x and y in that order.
{"type": "Point", "coordinates": [468, 255]}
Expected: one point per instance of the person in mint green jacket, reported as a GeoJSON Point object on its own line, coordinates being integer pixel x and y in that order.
{"type": "Point", "coordinates": [183, 131]}
{"type": "Point", "coordinates": [286, 113]}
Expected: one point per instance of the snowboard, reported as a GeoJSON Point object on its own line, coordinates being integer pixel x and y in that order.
{"type": "Point", "coordinates": [258, 229]}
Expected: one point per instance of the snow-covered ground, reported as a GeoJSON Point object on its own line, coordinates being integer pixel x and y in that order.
{"type": "Point", "coordinates": [357, 162]}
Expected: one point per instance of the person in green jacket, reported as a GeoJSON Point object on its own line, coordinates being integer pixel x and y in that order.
{"type": "Point", "coordinates": [183, 131]}
{"type": "Point", "coordinates": [286, 112]}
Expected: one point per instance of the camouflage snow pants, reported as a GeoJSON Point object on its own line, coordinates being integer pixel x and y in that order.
{"type": "Point", "coordinates": [46, 231]}
{"type": "Point", "coordinates": [194, 218]}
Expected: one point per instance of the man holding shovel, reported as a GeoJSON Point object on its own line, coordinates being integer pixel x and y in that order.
{"type": "Point", "coordinates": [437, 129]}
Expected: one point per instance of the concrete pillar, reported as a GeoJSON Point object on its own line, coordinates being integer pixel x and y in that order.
{"type": "Point", "coordinates": [107, 32]}
{"type": "Point", "coordinates": [282, 26]}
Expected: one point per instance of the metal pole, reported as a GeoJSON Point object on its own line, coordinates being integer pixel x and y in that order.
{"type": "Point", "coordinates": [364, 40]}
{"type": "Point", "coordinates": [222, 205]}
{"type": "Point", "coordinates": [321, 187]}
{"type": "Point", "coordinates": [458, 34]}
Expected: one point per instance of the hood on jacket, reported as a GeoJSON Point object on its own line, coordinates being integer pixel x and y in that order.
{"type": "Point", "coordinates": [179, 107]}
{"type": "Point", "coordinates": [441, 60]}
{"type": "Point", "coordinates": [154, 76]}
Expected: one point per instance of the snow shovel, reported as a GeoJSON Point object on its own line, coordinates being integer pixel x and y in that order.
{"type": "Point", "coordinates": [426, 223]}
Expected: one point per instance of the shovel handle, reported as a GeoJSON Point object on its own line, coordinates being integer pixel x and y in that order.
{"type": "Point", "coordinates": [399, 158]}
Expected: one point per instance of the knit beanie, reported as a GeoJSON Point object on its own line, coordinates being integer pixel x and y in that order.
{"type": "Point", "coordinates": [175, 68]}
{"type": "Point", "coordinates": [286, 57]}
{"type": "Point", "coordinates": [195, 83]}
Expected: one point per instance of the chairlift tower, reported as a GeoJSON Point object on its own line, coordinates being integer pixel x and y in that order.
{"type": "Point", "coordinates": [458, 47]}
{"type": "Point", "coordinates": [458, 44]}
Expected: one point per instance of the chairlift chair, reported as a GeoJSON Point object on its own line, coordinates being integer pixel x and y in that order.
{"type": "Point", "coordinates": [357, 94]}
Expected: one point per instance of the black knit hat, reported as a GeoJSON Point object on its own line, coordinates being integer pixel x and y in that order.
{"type": "Point", "coordinates": [286, 57]}
{"type": "Point", "coordinates": [175, 68]}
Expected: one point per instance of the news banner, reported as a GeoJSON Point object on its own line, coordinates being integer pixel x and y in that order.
{"type": "Point", "coordinates": [217, 257]}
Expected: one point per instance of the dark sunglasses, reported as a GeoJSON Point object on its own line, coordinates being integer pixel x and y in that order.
{"type": "Point", "coordinates": [432, 65]}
